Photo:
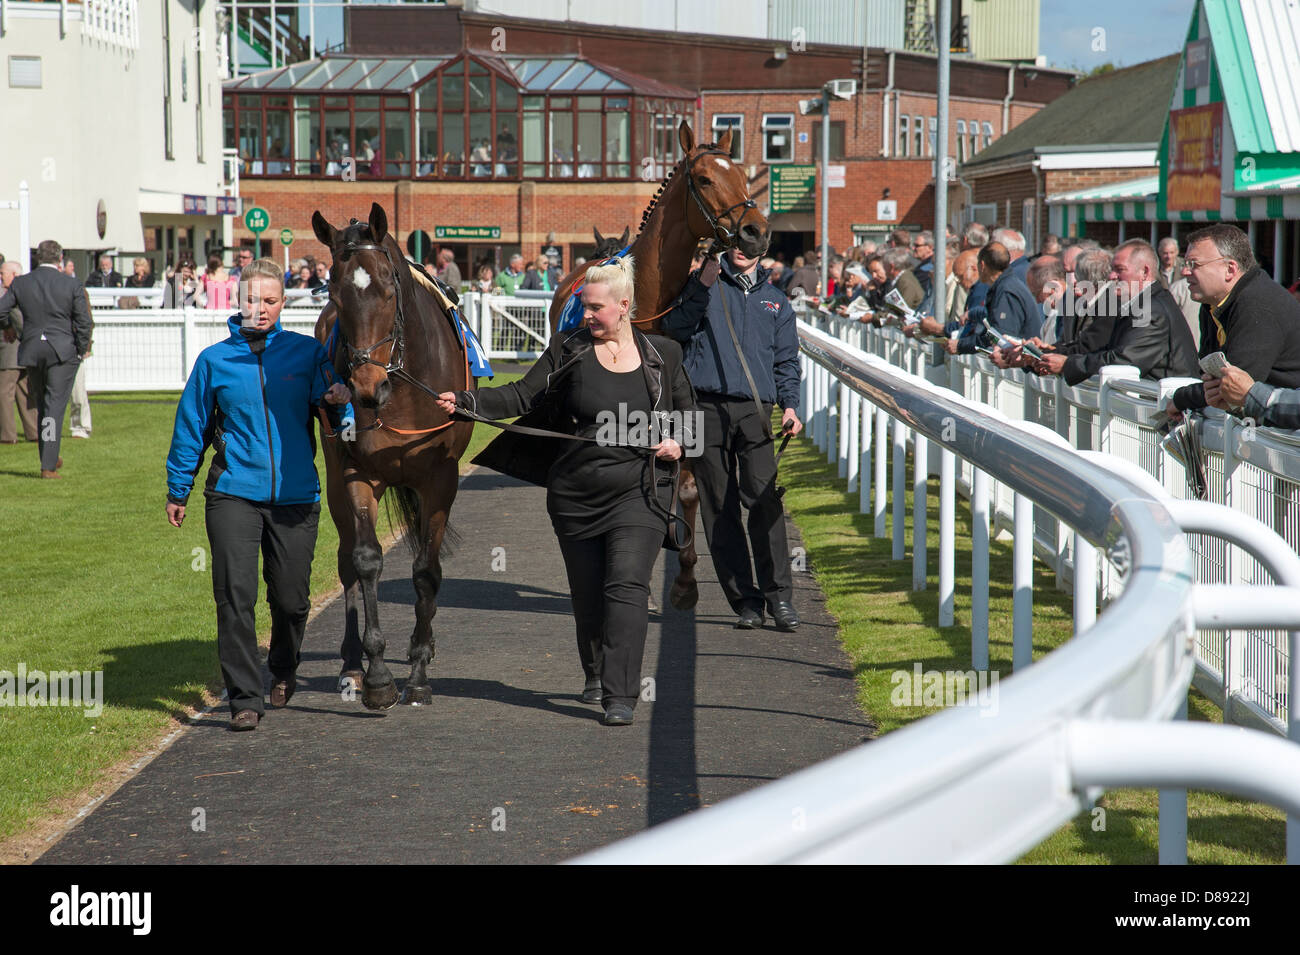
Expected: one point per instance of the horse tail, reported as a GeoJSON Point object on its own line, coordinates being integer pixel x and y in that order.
{"type": "Point", "coordinates": [408, 515]}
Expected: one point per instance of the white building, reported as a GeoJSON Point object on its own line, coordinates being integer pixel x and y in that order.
{"type": "Point", "coordinates": [111, 113]}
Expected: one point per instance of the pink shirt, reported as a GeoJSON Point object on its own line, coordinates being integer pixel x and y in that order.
{"type": "Point", "coordinates": [218, 292]}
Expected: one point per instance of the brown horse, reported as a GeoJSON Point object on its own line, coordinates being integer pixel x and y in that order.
{"type": "Point", "coordinates": [396, 347]}
{"type": "Point", "coordinates": [706, 196]}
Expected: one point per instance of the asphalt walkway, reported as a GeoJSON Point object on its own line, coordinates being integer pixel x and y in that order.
{"type": "Point", "coordinates": [506, 765]}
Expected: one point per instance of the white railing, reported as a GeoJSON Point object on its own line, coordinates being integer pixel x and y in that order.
{"type": "Point", "coordinates": [968, 785]}
{"type": "Point", "coordinates": [509, 326]}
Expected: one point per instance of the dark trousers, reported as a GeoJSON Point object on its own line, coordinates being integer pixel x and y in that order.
{"type": "Point", "coordinates": [737, 468]}
{"type": "Point", "coordinates": [286, 536]}
{"type": "Point", "coordinates": [609, 580]}
{"type": "Point", "coordinates": [50, 382]}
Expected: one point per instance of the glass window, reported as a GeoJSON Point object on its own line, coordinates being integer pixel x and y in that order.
{"type": "Point", "coordinates": [335, 102]}
{"type": "Point", "coordinates": [904, 135]}
{"type": "Point", "coordinates": [590, 146]}
{"type": "Point", "coordinates": [277, 143]}
{"type": "Point", "coordinates": [837, 140]}
{"type": "Point", "coordinates": [918, 133]}
{"type": "Point", "coordinates": [365, 143]}
{"type": "Point", "coordinates": [618, 148]}
{"type": "Point", "coordinates": [453, 91]}
{"type": "Point", "coordinates": [988, 135]}
{"type": "Point", "coordinates": [397, 143]}
{"type": "Point", "coordinates": [507, 145]}
{"type": "Point", "coordinates": [736, 123]}
{"type": "Point", "coordinates": [934, 134]}
{"type": "Point", "coordinates": [561, 128]}
{"type": "Point", "coordinates": [561, 102]}
{"type": "Point", "coordinates": [507, 96]}
{"type": "Point", "coordinates": [231, 136]}
{"type": "Point", "coordinates": [306, 137]}
{"type": "Point", "coordinates": [426, 96]}
{"type": "Point", "coordinates": [534, 144]}
{"type": "Point", "coordinates": [427, 125]}
{"type": "Point", "coordinates": [778, 138]}
{"type": "Point", "coordinates": [961, 140]}
{"type": "Point", "coordinates": [338, 144]}
{"type": "Point", "coordinates": [974, 129]}
{"type": "Point", "coordinates": [453, 145]}
{"type": "Point", "coordinates": [480, 91]}
{"type": "Point", "coordinates": [665, 137]}
{"type": "Point", "coordinates": [480, 144]}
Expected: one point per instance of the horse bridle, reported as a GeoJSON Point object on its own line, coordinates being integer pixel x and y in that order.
{"type": "Point", "coordinates": [723, 238]}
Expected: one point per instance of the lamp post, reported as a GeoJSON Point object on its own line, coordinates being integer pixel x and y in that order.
{"type": "Point", "coordinates": [834, 89]}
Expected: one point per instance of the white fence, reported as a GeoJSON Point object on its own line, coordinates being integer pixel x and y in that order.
{"type": "Point", "coordinates": [153, 349]}
{"type": "Point", "coordinates": [1186, 591]}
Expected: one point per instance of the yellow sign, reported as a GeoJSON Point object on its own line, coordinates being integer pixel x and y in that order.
{"type": "Point", "coordinates": [1195, 159]}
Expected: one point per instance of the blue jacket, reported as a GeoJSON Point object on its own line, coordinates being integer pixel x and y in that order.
{"type": "Point", "coordinates": [765, 326]}
{"type": "Point", "coordinates": [1012, 309]}
{"type": "Point", "coordinates": [255, 409]}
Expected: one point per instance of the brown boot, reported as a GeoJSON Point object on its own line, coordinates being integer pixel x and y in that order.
{"type": "Point", "coordinates": [51, 474]}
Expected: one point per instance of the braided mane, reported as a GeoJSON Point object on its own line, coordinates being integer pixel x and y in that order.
{"type": "Point", "coordinates": [654, 201]}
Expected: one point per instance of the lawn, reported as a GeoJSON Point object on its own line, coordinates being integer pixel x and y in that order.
{"type": "Point", "coordinates": [886, 627]}
{"type": "Point", "coordinates": [97, 580]}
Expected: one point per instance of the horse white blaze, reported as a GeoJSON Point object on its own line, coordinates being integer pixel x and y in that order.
{"type": "Point", "coordinates": [722, 163]}
{"type": "Point", "coordinates": [361, 278]}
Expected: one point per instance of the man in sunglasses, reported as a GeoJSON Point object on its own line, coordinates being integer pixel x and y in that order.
{"type": "Point", "coordinates": [1244, 313]}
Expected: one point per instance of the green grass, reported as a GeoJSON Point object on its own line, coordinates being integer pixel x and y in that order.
{"type": "Point", "coordinates": [887, 627]}
{"type": "Point", "coordinates": [96, 579]}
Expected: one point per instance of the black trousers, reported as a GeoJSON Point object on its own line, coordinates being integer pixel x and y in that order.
{"type": "Point", "coordinates": [737, 468]}
{"type": "Point", "coordinates": [50, 382]}
{"type": "Point", "coordinates": [285, 534]}
{"type": "Point", "coordinates": [609, 580]}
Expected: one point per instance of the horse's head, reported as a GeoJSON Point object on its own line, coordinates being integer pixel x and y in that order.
{"type": "Point", "coordinates": [367, 294]}
{"type": "Point", "coordinates": [720, 206]}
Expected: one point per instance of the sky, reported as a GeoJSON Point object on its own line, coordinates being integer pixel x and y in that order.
{"type": "Point", "coordinates": [1123, 32]}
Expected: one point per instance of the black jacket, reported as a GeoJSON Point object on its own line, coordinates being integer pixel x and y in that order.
{"type": "Point", "coordinates": [764, 324]}
{"type": "Point", "coordinates": [1262, 322]}
{"type": "Point", "coordinates": [55, 308]}
{"type": "Point", "coordinates": [98, 279]}
{"type": "Point", "coordinates": [537, 397]}
{"type": "Point", "coordinates": [1151, 334]}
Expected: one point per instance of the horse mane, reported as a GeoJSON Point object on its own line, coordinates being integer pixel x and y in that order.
{"type": "Point", "coordinates": [663, 186]}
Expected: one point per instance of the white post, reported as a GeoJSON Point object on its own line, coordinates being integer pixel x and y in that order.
{"type": "Point", "coordinates": [485, 321]}
{"type": "Point", "coordinates": [1022, 624]}
{"type": "Point", "coordinates": [866, 417]}
{"type": "Point", "coordinates": [1085, 585]}
{"type": "Point", "coordinates": [833, 424]}
{"type": "Point", "coordinates": [900, 488]}
{"type": "Point", "coordinates": [1172, 818]}
{"type": "Point", "coordinates": [854, 429]}
{"type": "Point", "coordinates": [270, 29]}
{"type": "Point", "coordinates": [234, 38]}
{"type": "Point", "coordinates": [979, 569]}
{"type": "Point", "coordinates": [947, 532]}
{"type": "Point", "coordinates": [920, 508]}
{"type": "Point", "coordinates": [882, 427]}
{"type": "Point", "coordinates": [844, 425]}
{"type": "Point", "coordinates": [311, 25]}
{"type": "Point", "coordinates": [189, 341]}
{"type": "Point", "coordinates": [25, 226]}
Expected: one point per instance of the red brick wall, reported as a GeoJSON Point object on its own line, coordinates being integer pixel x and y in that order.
{"type": "Point", "coordinates": [1070, 180]}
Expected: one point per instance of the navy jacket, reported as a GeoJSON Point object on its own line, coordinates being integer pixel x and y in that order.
{"type": "Point", "coordinates": [765, 326]}
{"type": "Point", "coordinates": [1012, 309]}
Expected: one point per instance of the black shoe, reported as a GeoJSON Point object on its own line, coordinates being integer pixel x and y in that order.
{"type": "Point", "coordinates": [618, 714]}
{"type": "Point", "coordinates": [591, 691]}
{"type": "Point", "coordinates": [751, 618]}
{"type": "Point", "coordinates": [784, 616]}
{"type": "Point", "coordinates": [282, 692]}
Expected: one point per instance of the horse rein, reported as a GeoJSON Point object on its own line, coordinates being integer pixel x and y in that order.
{"type": "Point", "coordinates": [354, 357]}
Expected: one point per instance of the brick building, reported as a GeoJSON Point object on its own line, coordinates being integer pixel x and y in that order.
{"type": "Point", "coordinates": [460, 120]}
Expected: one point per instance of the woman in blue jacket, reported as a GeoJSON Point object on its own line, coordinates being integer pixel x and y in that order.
{"type": "Point", "coordinates": [252, 398]}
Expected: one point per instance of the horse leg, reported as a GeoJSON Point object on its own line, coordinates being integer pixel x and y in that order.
{"type": "Point", "coordinates": [436, 497]}
{"type": "Point", "coordinates": [341, 512]}
{"type": "Point", "coordinates": [378, 691]}
{"type": "Point", "coordinates": [685, 593]}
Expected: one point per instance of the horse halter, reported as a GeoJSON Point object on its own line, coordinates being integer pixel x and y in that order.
{"type": "Point", "coordinates": [723, 237]}
{"type": "Point", "coordinates": [356, 357]}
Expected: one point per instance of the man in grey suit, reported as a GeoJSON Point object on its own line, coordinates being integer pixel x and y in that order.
{"type": "Point", "coordinates": [13, 377]}
{"type": "Point", "coordinates": [56, 336]}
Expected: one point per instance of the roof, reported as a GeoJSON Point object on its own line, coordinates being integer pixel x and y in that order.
{"type": "Point", "coordinates": [1127, 107]}
{"type": "Point", "coordinates": [372, 74]}
{"type": "Point", "coordinates": [1257, 51]}
{"type": "Point", "coordinates": [1130, 189]}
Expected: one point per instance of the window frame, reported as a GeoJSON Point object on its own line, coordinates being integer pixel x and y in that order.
{"type": "Point", "coordinates": [768, 128]}
{"type": "Point", "coordinates": [737, 135]}
{"type": "Point", "coordinates": [961, 140]}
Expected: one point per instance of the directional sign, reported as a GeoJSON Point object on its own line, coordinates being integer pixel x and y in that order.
{"type": "Point", "coordinates": [792, 188]}
{"type": "Point", "coordinates": [286, 237]}
{"type": "Point", "coordinates": [467, 232]}
{"type": "Point", "coordinates": [257, 219]}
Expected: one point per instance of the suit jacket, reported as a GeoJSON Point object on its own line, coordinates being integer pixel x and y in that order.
{"type": "Point", "coordinates": [98, 279]}
{"type": "Point", "coordinates": [54, 308]}
{"type": "Point", "coordinates": [1150, 334]}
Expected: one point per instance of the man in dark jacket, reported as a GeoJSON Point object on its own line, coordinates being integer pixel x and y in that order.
{"type": "Point", "coordinates": [1148, 332]}
{"type": "Point", "coordinates": [737, 465]}
{"type": "Point", "coordinates": [106, 277]}
{"type": "Point", "coordinates": [1011, 309]}
{"type": "Point", "coordinates": [56, 336]}
{"type": "Point", "coordinates": [1245, 314]}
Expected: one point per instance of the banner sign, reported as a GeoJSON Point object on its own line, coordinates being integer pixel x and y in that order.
{"type": "Point", "coordinates": [1195, 159]}
{"type": "Point", "coordinates": [467, 232]}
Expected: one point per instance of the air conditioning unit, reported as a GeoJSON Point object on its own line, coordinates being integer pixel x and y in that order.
{"type": "Point", "coordinates": [843, 89]}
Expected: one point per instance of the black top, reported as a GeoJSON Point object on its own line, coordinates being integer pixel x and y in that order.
{"type": "Point", "coordinates": [595, 487]}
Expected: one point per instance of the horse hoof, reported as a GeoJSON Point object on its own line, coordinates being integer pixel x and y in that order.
{"type": "Point", "coordinates": [417, 695]}
{"type": "Point", "coordinates": [351, 680]}
{"type": "Point", "coordinates": [684, 597]}
{"type": "Point", "coordinates": [382, 697]}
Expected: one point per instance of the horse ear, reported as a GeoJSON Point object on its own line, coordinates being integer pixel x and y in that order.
{"type": "Point", "coordinates": [724, 142]}
{"type": "Point", "coordinates": [324, 231]}
{"type": "Point", "coordinates": [686, 137]}
{"type": "Point", "coordinates": [600, 239]}
{"type": "Point", "coordinates": [627, 233]}
{"type": "Point", "coordinates": [378, 222]}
